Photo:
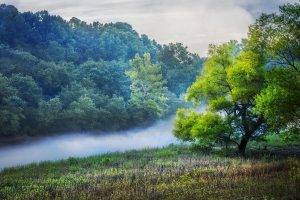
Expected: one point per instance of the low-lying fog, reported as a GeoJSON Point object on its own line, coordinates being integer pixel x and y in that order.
{"type": "Point", "coordinates": [85, 144]}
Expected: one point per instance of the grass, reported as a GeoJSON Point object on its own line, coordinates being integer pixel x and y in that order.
{"type": "Point", "coordinates": [174, 172]}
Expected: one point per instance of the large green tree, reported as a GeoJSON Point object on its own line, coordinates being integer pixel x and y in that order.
{"type": "Point", "coordinates": [249, 89]}
{"type": "Point", "coordinates": [229, 84]}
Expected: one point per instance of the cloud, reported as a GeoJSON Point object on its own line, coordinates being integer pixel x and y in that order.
{"type": "Point", "coordinates": [195, 23]}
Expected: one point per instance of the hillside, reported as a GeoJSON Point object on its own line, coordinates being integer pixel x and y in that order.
{"type": "Point", "coordinates": [61, 76]}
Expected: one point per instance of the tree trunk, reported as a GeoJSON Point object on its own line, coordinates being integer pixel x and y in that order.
{"type": "Point", "coordinates": [243, 145]}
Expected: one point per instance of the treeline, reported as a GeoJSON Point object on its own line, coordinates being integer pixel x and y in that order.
{"type": "Point", "coordinates": [58, 75]}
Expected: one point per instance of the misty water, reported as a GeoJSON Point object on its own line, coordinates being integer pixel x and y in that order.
{"type": "Point", "coordinates": [86, 144]}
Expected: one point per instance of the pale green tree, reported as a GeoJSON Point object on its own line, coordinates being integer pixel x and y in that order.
{"type": "Point", "coordinates": [148, 91]}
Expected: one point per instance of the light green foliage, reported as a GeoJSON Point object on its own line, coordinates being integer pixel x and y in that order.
{"type": "Point", "coordinates": [220, 103]}
{"type": "Point", "coordinates": [206, 128]}
{"type": "Point", "coordinates": [223, 87]}
{"type": "Point", "coordinates": [245, 76]}
{"type": "Point", "coordinates": [251, 87]}
{"type": "Point", "coordinates": [279, 100]}
{"type": "Point", "coordinates": [209, 128]}
{"type": "Point", "coordinates": [148, 89]}
{"type": "Point", "coordinates": [185, 120]}
{"type": "Point", "coordinates": [212, 83]}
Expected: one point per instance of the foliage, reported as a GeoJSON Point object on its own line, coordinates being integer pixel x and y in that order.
{"type": "Point", "coordinates": [11, 107]}
{"type": "Point", "coordinates": [184, 123]}
{"type": "Point", "coordinates": [58, 75]}
{"type": "Point", "coordinates": [279, 100]}
{"type": "Point", "coordinates": [179, 67]}
{"type": "Point", "coordinates": [148, 88]}
{"type": "Point", "coordinates": [249, 88]}
{"type": "Point", "coordinates": [229, 83]}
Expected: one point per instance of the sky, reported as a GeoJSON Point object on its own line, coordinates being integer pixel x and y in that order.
{"type": "Point", "coordinates": [195, 23]}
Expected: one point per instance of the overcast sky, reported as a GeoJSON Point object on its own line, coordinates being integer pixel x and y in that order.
{"type": "Point", "coordinates": [195, 23]}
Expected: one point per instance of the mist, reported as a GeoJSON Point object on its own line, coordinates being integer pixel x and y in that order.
{"type": "Point", "coordinates": [86, 144]}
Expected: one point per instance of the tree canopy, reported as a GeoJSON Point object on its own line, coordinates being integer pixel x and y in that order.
{"type": "Point", "coordinates": [58, 75]}
{"type": "Point", "coordinates": [251, 88]}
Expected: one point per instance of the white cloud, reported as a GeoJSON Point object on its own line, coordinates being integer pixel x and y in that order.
{"type": "Point", "coordinates": [196, 23]}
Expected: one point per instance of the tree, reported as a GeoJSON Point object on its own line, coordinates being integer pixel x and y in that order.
{"type": "Point", "coordinates": [30, 94]}
{"type": "Point", "coordinates": [27, 89]}
{"type": "Point", "coordinates": [50, 115]}
{"type": "Point", "coordinates": [180, 67]}
{"type": "Point", "coordinates": [204, 129]}
{"type": "Point", "coordinates": [148, 91]}
{"type": "Point", "coordinates": [249, 89]}
{"type": "Point", "coordinates": [59, 75]}
{"type": "Point", "coordinates": [54, 78]}
{"type": "Point", "coordinates": [278, 102]}
{"type": "Point", "coordinates": [82, 114]}
{"type": "Point", "coordinates": [108, 77]}
{"type": "Point", "coordinates": [229, 84]}
{"type": "Point", "coordinates": [279, 37]}
{"type": "Point", "coordinates": [11, 112]}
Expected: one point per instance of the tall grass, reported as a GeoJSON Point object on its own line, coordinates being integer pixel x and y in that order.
{"type": "Point", "coordinates": [174, 172]}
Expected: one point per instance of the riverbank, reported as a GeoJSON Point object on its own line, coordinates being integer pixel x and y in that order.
{"type": "Point", "coordinates": [12, 140]}
{"type": "Point", "coordinates": [174, 172]}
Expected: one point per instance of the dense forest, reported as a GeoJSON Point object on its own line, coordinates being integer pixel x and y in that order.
{"type": "Point", "coordinates": [58, 75]}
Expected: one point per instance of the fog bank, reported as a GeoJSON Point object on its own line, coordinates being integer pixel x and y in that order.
{"type": "Point", "coordinates": [86, 144]}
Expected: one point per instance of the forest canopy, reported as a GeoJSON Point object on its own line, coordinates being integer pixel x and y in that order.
{"type": "Point", "coordinates": [58, 75]}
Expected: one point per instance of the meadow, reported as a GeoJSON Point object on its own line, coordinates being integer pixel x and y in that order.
{"type": "Point", "coordinates": [173, 172]}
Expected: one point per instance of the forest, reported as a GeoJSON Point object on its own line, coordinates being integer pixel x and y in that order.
{"type": "Point", "coordinates": [58, 75]}
{"type": "Point", "coordinates": [151, 121]}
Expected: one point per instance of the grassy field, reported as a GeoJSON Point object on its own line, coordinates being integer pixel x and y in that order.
{"type": "Point", "coordinates": [174, 172]}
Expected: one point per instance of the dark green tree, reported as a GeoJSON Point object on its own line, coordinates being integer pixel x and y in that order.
{"type": "Point", "coordinates": [179, 66]}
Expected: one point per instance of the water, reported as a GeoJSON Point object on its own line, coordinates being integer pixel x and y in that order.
{"type": "Point", "coordinates": [85, 144]}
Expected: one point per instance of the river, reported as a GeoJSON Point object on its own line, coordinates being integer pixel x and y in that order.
{"type": "Point", "coordinates": [86, 144]}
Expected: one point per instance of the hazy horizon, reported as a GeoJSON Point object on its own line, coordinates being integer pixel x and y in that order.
{"type": "Point", "coordinates": [195, 23]}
